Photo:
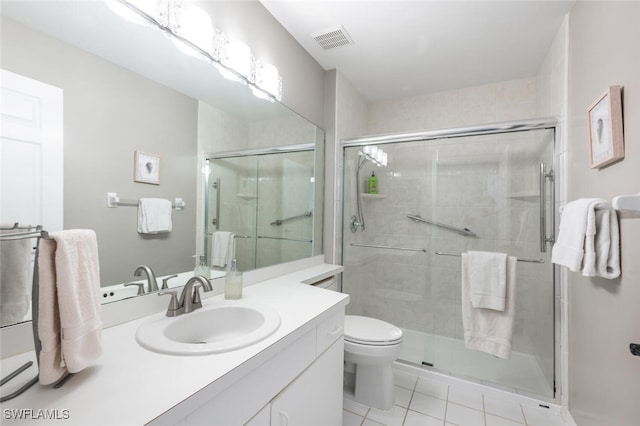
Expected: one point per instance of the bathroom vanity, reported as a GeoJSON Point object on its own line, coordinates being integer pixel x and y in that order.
{"type": "Point", "coordinates": [292, 377]}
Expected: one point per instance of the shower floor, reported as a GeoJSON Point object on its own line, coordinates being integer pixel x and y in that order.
{"type": "Point", "coordinates": [519, 374]}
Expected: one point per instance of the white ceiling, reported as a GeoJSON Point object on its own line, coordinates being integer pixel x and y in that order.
{"type": "Point", "coordinates": [406, 48]}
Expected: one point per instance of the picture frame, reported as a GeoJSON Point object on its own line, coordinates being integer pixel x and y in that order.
{"type": "Point", "coordinates": [604, 119]}
{"type": "Point", "coordinates": [146, 168]}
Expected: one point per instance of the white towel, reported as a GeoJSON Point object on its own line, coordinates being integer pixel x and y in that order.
{"type": "Point", "coordinates": [589, 239]}
{"type": "Point", "coordinates": [607, 244]}
{"type": "Point", "coordinates": [576, 223]}
{"type": "Point", "coordinates": [15, 280]}
{"type": "Point", "coordinates": [487, 274]}
{"type": "Point", "coordinates": [154, 216]}
{"type": "Point", "coordinates": [489, 330]}
{"type": "Point", "coordinates": [70, 327]}
{"type": "Point", "coordinates": [222, 248]}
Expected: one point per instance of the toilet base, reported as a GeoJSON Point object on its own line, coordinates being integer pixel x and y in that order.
{"type": "Point", "coordinates": [371, 385]}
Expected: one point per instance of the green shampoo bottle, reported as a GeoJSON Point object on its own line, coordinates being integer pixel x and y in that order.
{"type": "Point", "coordinates": [373, 183]}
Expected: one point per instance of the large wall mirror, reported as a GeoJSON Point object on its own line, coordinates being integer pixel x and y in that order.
{"type": "Point", "coordinates": [127, 88]}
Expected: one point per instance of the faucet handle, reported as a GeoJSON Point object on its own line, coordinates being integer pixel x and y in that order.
{"type": "Point", "coordinates": [165, 281]}
{"type": "Point", "coordinates": [196, 301]}
{"type": "Point", "coordinates": [140, 288]}
{"type": "Point", "coordinates": [174, 308]}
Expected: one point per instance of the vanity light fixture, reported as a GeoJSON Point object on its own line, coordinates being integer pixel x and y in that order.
{"type": "Point", "coordinates": [138, 11]}
{"type": "Point", "coordinates": [194, 25]}
{"type": "Point", "coordinates": [191, 29]}
{"type": "Point", "coordinates": [236, 56]}
{"type": "Point", "coordinates": [268, 82]}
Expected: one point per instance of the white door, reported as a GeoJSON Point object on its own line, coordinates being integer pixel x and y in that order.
{"type": "Point", "coordinates": [31, 152]}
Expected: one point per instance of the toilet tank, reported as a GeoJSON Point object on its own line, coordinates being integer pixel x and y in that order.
{"type": "Point", "coordinates": [328, 283]}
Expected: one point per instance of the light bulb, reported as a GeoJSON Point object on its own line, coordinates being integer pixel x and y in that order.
{"type": "Point", "coordinates": [268, 83]}
{"type": "Point", "coordinates": [236, 56]}
{"type": "Point", "coordinates": [194, 25]}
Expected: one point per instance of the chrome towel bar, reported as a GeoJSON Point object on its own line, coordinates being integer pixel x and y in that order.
{"type": "Point", "coordinates": [444, 253]}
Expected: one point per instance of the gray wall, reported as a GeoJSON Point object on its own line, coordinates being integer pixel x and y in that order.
{"type": "Point", "coordinates": [109, 113]}
{"type": "Point", "coordinates": [604, 378]}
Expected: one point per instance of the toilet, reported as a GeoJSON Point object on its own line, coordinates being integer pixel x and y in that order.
{"type": "Point", "coordinates": [370, 348]}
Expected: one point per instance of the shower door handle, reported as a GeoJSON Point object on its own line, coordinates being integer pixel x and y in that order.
{"type": "Point", "coordinates": [543, 208]}
{"type": "Point", "coordinates": [216, 220]}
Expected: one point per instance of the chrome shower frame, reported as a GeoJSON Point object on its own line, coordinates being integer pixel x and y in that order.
{"type": "Point", "coordinates": [550, 212]}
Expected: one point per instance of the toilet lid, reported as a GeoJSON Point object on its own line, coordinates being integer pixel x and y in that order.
{"type": "Point", "coordinates": [370, 331]}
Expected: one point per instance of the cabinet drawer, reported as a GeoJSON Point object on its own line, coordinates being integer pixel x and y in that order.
{"type": "Point", "coordinates": [329, 331]}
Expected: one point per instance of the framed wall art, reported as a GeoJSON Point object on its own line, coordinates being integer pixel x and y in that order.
{"type": "Point", "coordinates": [606, 141]}
{"type": "Point", "coordinates": [146, 168]}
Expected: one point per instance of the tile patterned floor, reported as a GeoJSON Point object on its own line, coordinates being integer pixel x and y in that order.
{"type": "Point", "coordinates": [444, 401]}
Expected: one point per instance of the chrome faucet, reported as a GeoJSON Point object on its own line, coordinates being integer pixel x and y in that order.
{"type": "Point", "coordinates": [189, 299]}
{"type": "Point", "coordinates": [151, 278]}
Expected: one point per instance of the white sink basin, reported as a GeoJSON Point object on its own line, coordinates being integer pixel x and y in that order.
{"type": "Point", "coordinates": [220, 326]}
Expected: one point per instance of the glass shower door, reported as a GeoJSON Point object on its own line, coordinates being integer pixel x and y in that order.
{"type": "Point", "coordinates": [442, 198]}
{"type": "Point", "coordinates": [285, 208]}
{"type": "Point", "coordinates": [232, 205]}
{"type": "Point", "coordinates": [267, 202]}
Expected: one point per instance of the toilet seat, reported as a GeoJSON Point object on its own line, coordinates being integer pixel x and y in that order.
{"type": "Point", "coordinates": [370, 331]}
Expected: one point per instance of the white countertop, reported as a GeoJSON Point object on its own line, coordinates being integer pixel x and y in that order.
{"type": "Point", "coordinates": [131, 385]}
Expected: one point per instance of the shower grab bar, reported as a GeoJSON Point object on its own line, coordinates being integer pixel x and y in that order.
{"type": "Point", "coordinates": [462, 231]}
{"type": "Point", "coordinates": [300, 216]}
{"type": "Point", "coordinates": [543, 208]}
{"type": "Point", "coordinates": [285, 239]}
{"type": "Point", "coordinates": [444, 253]}
{"type": "Point", "coordinates": [388, 247]}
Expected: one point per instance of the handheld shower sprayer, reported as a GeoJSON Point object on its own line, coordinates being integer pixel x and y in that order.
{"type": "Point", "coordinates": [377, 157]}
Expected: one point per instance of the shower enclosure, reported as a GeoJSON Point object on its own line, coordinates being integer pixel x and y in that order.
{"type": "Point", "coordinates": [266, 199]}
{"type": "Point", "coordinates": [486, 188]}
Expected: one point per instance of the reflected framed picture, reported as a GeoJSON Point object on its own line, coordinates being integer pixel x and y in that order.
{"type": "Point", "coordinates": [146, 168]}
{"type": "Point", "coordinates": [606, 141]}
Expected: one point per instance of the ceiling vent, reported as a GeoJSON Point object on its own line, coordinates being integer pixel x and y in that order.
{"type": "Point", "coordinates": [332, 38]}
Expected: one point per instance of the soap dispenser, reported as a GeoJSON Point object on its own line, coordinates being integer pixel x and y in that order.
{"type": "Point", "coordinates": [201, 267]}
{"type": "Point", "coordinates": [233, 282]}
{"type": "Point", "coordinates": [373, 184]}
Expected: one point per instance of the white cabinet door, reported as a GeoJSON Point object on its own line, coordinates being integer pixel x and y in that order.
{"type": "Point", "coordinates": [315, 397]}
{"type": "Point", "coordinates": [263, 418]}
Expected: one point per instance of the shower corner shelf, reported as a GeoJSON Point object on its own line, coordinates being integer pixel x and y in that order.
{"type": "Point", "coordinates": [378, 196]}
{"type": "Point", "coordinates": [246, 197]}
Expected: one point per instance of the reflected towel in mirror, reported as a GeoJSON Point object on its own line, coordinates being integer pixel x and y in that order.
{"type": "Point", "coordinates": [222, 248]}
{"type": "Point", "coordinates": [154, 216]}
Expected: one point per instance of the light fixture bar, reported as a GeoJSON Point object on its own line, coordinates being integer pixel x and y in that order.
{"type": "Point", "coordinates": [169, 28]}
